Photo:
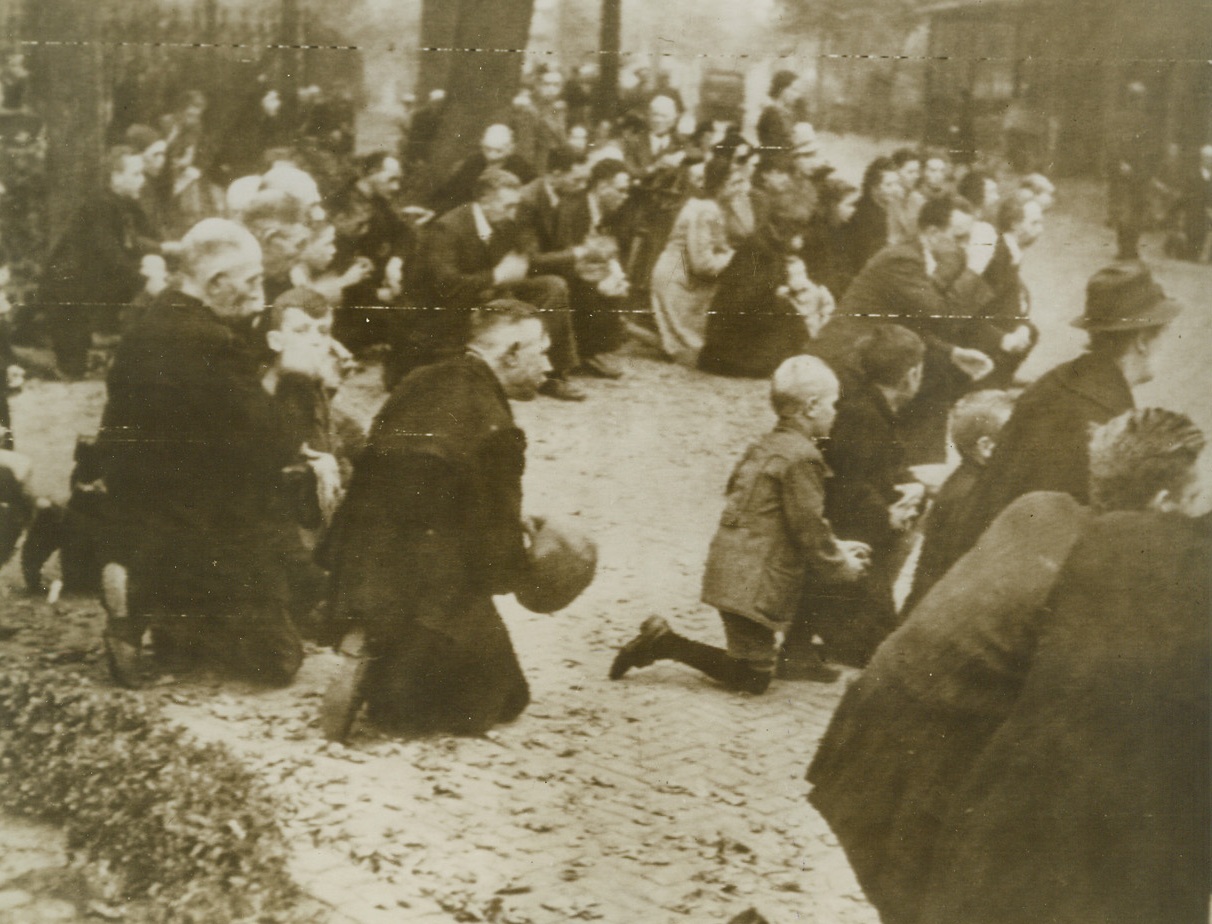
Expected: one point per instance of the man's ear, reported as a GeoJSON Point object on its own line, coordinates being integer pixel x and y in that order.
{"type": "Point", "coordinates": [215, 285]}
{"type": "Point", "coordinates": [510, 353]}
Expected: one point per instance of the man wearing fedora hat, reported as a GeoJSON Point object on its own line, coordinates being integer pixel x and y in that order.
{"type": "Point", "coordinates": [1043, 447]}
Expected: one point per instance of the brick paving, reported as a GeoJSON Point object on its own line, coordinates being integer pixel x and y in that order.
{"type": "Point", "coordinates": [659, 798]}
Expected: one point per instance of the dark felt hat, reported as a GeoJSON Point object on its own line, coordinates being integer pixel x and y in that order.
{"type": "Point", "coordinates": [562, 562]}
{"type": "Point", "coordinates": [1125, 296]}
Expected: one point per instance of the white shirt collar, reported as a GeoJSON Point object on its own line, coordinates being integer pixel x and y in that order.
{"type": "Point", "coordinates": [551, 193]}
{"type": "Point", "coordinates": [931, 263]}
{"type": "Point", "coordinates": [1016, 252]}
{"type": "Point", "coordinates": [659, 143]}
{"type": "Point", "coordinates": [483, 228]}
{"type": "Point", "coordinates": [595, 212]}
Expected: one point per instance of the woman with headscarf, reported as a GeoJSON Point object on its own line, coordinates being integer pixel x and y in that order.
{"type": "Point", "coordinates": [824, 252]}
{"type": "Point", "coordinates": [867, 231]}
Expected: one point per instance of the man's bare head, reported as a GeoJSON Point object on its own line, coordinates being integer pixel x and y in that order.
{"type": "Point", "coordinates": [497, 143]}
{"type": "Point", "coordinates": [221, 267]}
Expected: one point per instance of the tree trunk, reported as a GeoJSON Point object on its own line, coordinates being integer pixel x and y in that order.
{"type": "Point", "coordinates": [68, 83]}
{"type": "Point", "coordinates": [485, 69]}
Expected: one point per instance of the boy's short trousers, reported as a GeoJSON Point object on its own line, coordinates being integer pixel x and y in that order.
{"type": "Point", "coordinates": [750, 642]}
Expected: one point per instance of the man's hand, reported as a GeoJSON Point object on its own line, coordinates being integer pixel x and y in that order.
{"type": "Point", "coordinates": [973, 363]}
{"type": "Point", "coordinates": [328, 480]}
{"type": "Point", "coordinates": [418, 214]}
{"type": "Point", "coordinates": [359, 270]}
{"type": "Point", "coordinates": [154, 271]}
{"type": "Point", "coordinates": [857, 556]}
{"type": "Point", "coordinates": [903, 513]}
{"type": "Point", "coordinates": [1017, 340]}
{"type": "Point", "coordinates": [512, 268]}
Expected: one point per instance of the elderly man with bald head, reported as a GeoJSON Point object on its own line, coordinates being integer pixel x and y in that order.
{"type": "Point", "coordinates": [193, 452]}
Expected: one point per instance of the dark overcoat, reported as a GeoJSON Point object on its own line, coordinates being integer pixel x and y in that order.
{"type": "Point", "coordinates": [193, 451]}
{"type": "Point", "coordinates": [1044, 445]}
{"type": "Point", "coordinates": [430, 530]}
{"type": "Point", "coordinates": [1091, 803]}
{"type": "Point", "coordinates": [908, 730]}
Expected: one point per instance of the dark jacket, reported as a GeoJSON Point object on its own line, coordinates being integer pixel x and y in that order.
{"type": "Point", "coordinates": [864, 452]}
{"type": "Point", "coordinates": [457, 264]}
{"type": "Point", "coordinates": [96, 261]}
{"type": "Point", "coordinates": [938, 552]}
{"type": "Point", "coordinates": [193, 451]}
{"type": "Point", "coordinates": [433, 514]}
{"type": "Point", "coordinates": [1091, 803]}
{"type": "Point", "coordinates": [539, 219]}
{"type": "Point", "coordinates": [1044, 445]}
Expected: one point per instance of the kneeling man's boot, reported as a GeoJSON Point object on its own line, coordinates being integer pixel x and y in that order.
{"type": "Point", "coordinates": [347, 691]}
{"type": "Point", "coordinates": [123, 635]}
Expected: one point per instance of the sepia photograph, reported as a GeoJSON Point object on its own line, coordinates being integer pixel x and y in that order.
{"type": "Point", "coordinates": [544, 461]}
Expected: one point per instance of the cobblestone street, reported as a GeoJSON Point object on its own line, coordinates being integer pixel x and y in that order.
{"type": "Point", "coordinates": [658, 798]}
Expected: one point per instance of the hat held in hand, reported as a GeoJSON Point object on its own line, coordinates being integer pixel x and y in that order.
{"type": "Point", "coordinates": [562, 564]}
{"type": "Point", "coordinates": [1124, 296]}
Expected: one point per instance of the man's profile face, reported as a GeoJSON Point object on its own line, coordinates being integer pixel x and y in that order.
{"type": "Point", "coordinates": [525, 368]}
{"type": "Point", "coordinates": [662, 115]}
{"type": "Point", "coordinates": [155, 157]}
{"type": "Point", "coordinates": [501, 207]}
{"type": "Point", "coordinates": [1031, 228]}
{"type": "Point", "coordinates": [571, 181]}
{"type": "Point", "coordinates": [127, 181]}
{"type": "Point", "coordinates": [234, 285]}
{"type": "Point", "coordinates": [321, 249]}
{"type": "Point", "coordinates": [613, 193]}
{"type": "Point", "coordinates": [959, 228]}
{"type": "Point", "coordinates": [385, 182]}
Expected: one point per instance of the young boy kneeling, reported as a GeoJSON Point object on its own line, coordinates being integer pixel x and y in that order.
{"type": "Point", "coordinates": [976, 421]}
{"type": "Point", "coordinates": [772, 540]}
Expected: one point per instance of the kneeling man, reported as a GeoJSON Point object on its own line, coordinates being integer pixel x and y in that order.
{"type": "Point", "coordinates": [430, 530]}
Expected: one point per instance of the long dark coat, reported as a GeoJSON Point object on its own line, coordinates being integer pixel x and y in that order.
{"type": "Point", "coordinates": [907, 731]}
{"type": "Point", "coordinates": [429, 531]}
{"type": "Point", "coordinates": [1044, 445]}
{"type": "Point", "coordinates": [1091, 803]}
{"type": "Point", "coordinates": [193, 451]}
{"type": "Point", "coordinates": [750, 329]}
